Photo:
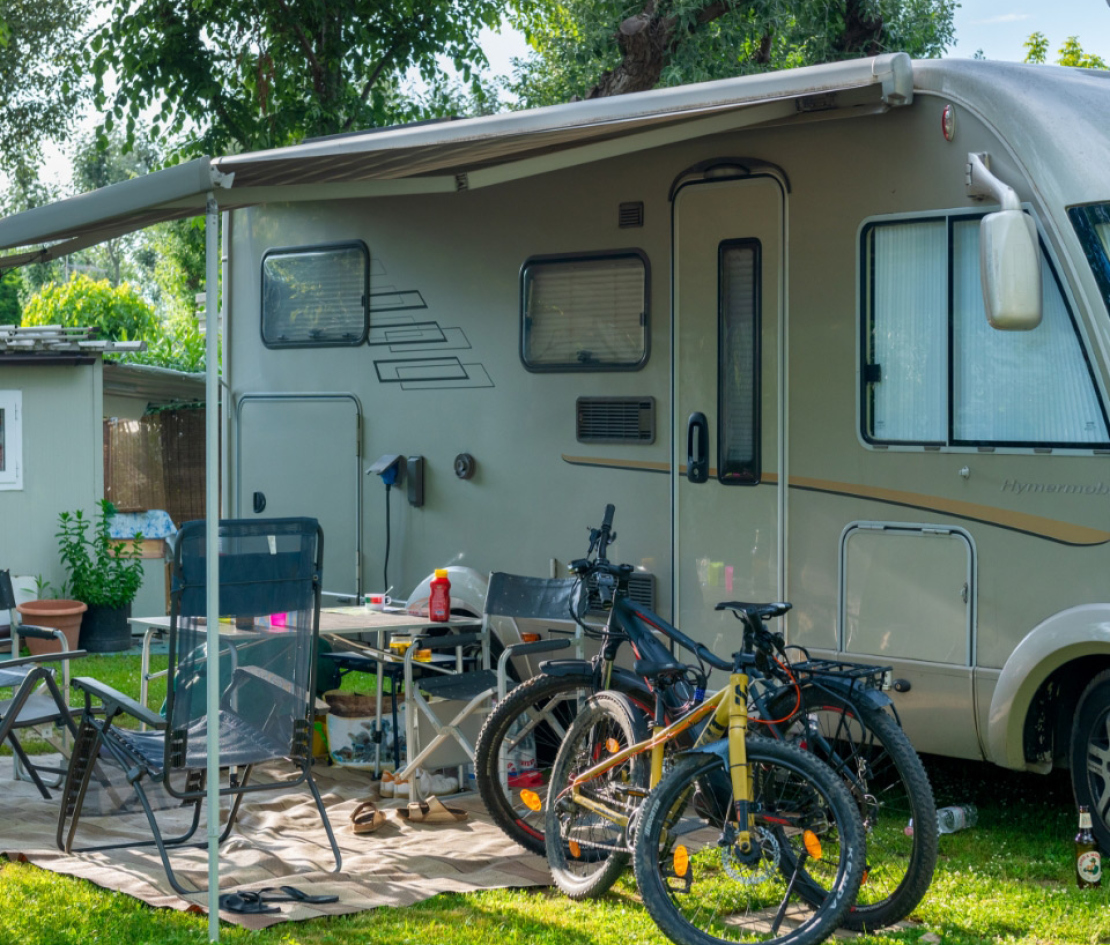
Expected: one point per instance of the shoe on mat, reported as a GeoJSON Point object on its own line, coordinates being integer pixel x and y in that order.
{"type": "Point", "coordinates": [431, 783]}
{"type": "Point", "coordinates": [366, 818]}
{"type": "Point", "coordinates": [432, 811]}
{"type": "Point", "coordinates": [387, 787]}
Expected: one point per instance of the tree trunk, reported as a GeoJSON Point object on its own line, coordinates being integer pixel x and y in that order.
{"type": "Point", "coordinates": [648, 39]}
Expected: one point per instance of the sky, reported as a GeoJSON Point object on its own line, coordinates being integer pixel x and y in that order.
{"type": "Point", "coordinates": [998, 27]}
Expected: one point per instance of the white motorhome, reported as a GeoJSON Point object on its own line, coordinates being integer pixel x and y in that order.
{"type": "Point", "coordinates": [751, 314]}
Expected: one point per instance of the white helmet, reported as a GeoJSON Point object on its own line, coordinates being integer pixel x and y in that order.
{"type": "Point", "coordinates": [468, 593]}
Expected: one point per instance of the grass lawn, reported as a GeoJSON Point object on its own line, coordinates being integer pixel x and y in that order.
{"type": "Point", "coordinates": [1008, 880]}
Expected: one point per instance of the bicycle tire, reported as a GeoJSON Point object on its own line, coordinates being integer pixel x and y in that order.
{"type": "Point", "coordinates": [585, 851]}
{"type": "Point", "coordinates": [787, 784]}
{"type": "Point", "coordinates": [520, 822]}
{"type": "Point", "coordinates": [886, 778]}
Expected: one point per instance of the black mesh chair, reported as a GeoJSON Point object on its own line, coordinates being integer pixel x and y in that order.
{"type": "Point", "coordinates": [267, 701]}
{"type": "Point", "coordinates": [36, 701]}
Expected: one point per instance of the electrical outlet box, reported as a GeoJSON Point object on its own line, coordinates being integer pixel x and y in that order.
{"type": "Point", "coordinates": [416, 480]}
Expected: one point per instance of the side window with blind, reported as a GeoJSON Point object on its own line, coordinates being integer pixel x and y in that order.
{"type": "Point", "coordinates": [315, 296]}
{"type": "Point", "coordinates": [936, 374]}
{"type": "Point", "coordinates": [11, 439]}
{"type": "Point", "coordinates": [585, 313]}
{"type": "Point", "coordinates": [738, 374]}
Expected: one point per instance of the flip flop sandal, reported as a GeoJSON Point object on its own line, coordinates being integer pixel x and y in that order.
{"type": "Point", "coordinates": [293, 894]}
{"type": "Point", "coordinates": [247, 902]}
{"type": "Point", "coordinates": [366, 818]}
{"type": "Point", "coordinates": [433, 811]}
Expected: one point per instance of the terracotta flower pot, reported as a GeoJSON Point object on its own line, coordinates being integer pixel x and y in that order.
{"type": "Point", "coordinates": [64, 615]}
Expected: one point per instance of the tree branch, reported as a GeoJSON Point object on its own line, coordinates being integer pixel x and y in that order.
{"type": "Point", "coordinates": [374, 76]}
{"type": "Point", "coordinates": [309, 52]}
{"type": "Point", "coordinates": [646, 41]}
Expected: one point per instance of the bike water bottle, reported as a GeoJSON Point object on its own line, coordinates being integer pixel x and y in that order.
{"type": "Point", "coordinates": [439, 600]}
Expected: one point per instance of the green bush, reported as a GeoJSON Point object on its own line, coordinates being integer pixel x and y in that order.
{"type": "Point", "coordinates": [119, 312]}
{"type": "Point", "coordinates": [102, 572]}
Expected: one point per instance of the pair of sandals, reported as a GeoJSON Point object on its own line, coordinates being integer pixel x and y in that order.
{"type": "Point", "coordinates": [366, 818]}
{"type": "Point", "coordinates": [260, 901]}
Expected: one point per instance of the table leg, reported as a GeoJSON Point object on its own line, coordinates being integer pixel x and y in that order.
{"type": "Point", "coordinates": [144, 670]}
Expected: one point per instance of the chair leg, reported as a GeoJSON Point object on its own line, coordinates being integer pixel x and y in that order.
{"type": "Point", "coordinates": [86, 747]}
{"type": "Point", "coordinates": [327, 823]}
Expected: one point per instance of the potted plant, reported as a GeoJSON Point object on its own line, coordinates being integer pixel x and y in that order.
{"type": "Point", "coordinates": [103, 573]}
{"type": "Point", "coordinates": [54, 611]}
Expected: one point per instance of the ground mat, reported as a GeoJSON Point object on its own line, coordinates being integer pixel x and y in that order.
{"type": "Point", "coordinates": [279, 841]}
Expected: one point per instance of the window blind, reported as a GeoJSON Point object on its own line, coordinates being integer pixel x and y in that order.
{"type": "Point", "coordinates": [315, 297]}
{"type": "Point", "coordinates": [585, 312]}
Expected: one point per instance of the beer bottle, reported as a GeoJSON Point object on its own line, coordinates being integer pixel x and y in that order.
{"type": "Point", "coordinates": [1088, 862]}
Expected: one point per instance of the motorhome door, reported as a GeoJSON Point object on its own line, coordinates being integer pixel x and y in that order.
{"type": "Point", "coordinates": [728, 294]}
{"type": "Point", "coordinates": [299, 454]}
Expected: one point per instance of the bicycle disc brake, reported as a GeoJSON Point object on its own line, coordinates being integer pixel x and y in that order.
{"type": "Point", "coordinates": [746, 870]}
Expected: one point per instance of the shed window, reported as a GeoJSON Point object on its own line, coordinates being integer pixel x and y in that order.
{"type": "Point", "coordinates": [315, 296]}
{"type": "Point", "coordinates": [936, 373]}
{"type": "Point", "coordinates": [11, 439]}
{"type": "Point", "coordinates": [585, 313]}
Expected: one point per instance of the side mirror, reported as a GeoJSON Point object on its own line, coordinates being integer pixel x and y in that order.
{"type": "Point", "coordinates": [1010, 269]}
{"type": "Point", "coordinates": [1009, 255]}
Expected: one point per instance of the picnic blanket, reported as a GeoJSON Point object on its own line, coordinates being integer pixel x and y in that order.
{"type": "Point", "coordinates": [279, 840]}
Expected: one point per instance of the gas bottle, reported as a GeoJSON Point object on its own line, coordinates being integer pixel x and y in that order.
{"type": "Point", "coordinates": [439, 599]}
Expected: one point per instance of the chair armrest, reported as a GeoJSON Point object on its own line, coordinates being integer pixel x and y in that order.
{"type": "Point", "coordinates": [116, 702]}
{"type": "Point", "coordinates": [536, 646]}
{"type": "Point", "coordinates": [446, 642]}
{"type": "Point", "coordinates": [42, 658]}
{"type": "Point", "coordinates": [39, 633]}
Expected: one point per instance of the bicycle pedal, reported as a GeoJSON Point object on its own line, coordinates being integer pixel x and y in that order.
{"type": "Point", "coordinates": [633, 792]}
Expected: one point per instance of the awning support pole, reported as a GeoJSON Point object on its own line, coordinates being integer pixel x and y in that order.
{"type": "Point", "coordinates": [212, 551]}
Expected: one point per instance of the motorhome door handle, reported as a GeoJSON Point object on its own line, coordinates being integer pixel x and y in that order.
{"type": "Point", "coordinates": [697, 448]}
{"type": "Point", "coordinates": [259, 503]}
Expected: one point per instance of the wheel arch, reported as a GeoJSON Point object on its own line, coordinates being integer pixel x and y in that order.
{"type": "Point", "coordinates": [1041, 682]}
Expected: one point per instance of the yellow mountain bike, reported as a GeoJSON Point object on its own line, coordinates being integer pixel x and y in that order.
{"type": "Point", "coordinates": [744, 839]}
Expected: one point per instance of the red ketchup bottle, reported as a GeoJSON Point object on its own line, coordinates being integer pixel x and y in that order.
{"type": "Point", "coordinates": [439, 601]}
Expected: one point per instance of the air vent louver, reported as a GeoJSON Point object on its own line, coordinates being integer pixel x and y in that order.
{"type": "Point", "coordinates": [631, 214]}
{"type": "Point", "coordinates": [616, 419]}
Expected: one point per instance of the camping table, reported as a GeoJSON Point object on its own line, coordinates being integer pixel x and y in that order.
{"type": "Point", "coordinates": [351, 621]}
{"type": "Point", "coordinates": [334, 621]}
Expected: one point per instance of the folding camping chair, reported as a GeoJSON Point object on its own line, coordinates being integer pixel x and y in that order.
{"type": "Point", "coordinates": [267, 698]}
{"type": "Point", "coordinates": [36, 700]}
{"type": "Point", "coordinates": [507, 596]}
{"type": "Point", "coordinates": [512, 598]}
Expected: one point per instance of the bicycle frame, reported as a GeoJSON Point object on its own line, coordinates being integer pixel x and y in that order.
{"type": "Point", "coordinates": [729, 716]}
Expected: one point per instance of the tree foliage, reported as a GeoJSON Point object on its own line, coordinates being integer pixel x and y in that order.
{"type": "Point", "coordinates": [119, 312]}
{"type": "Point", "coordinates": [1071, 53]}
{"type": "Point", "coordinates": [251, 74]}
{"type": "Point", "coordinates": [10, 312]}
{"type": "Point", "coordinates": [40, 86]}
{"type": "Point", "coordinates": [593, 48]}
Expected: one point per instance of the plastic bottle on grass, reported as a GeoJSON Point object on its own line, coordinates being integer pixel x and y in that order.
{"type": "Point", "coordinates": [957, 817]}
{"type": "Point", "coordinates": [439, 599]}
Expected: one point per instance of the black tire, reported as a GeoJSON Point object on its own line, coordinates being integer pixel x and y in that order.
{"type": "Point", "coordinates": [680, 844]}
{"type": "Point", "coordinates": [1090, 755]}
{"type": "Point", "coordinates": [587, 852]}
{"type": "Point", "coordinates": [552, 701]}
{"type": "Point", "coordinates": [884, 775]}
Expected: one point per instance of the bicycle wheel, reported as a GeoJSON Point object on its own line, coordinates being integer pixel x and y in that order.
{"type": "Point", "coordinates": [700, 888]}
{"type": "Point", "coordinates": [881, 770]}
{"type": "Point", "coordinates": [537, 712]}
{"type": "Point", "coordinates": [585, 850]}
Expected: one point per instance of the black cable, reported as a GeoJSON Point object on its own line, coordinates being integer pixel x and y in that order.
{"type": "Point", "coordinates": [385, 569]}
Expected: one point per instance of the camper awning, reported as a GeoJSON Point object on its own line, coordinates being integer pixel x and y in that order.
{"type": "Point", "coordinates": [456, 155]}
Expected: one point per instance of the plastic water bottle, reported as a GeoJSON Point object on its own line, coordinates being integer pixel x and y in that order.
{"type": "Point", "coordinates": [957, 817]}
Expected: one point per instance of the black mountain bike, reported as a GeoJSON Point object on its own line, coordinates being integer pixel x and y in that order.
{"type": "Point", "coordinates": [836, 710]}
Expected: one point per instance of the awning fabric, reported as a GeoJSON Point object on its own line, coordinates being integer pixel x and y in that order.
{"type": "Point", "coordinates": [434, 156]}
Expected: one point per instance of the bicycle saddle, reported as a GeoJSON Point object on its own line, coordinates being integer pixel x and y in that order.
{"type": "Point", "coordinates": [762, 611]}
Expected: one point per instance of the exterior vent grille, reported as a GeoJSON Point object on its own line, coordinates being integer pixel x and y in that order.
{"type": "Point", "coordinates": [616, 419]}
{"type": "Point", "coordinates": [641, 591]}
{"type": "Point", "coordinates": [631, 214]}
